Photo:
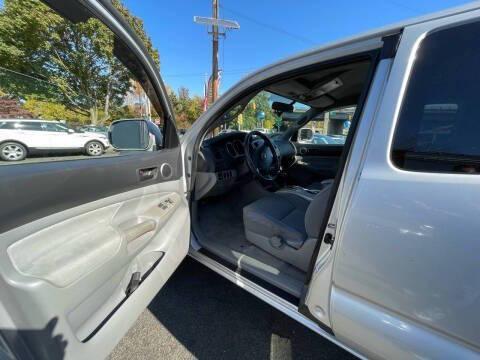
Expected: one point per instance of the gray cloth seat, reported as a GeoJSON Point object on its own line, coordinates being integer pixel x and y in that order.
{"type": "Point", "coordinates": [286, 225]}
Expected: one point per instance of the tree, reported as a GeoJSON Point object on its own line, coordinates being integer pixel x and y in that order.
{"type": "Point", "coordinates": [51, 110]}
{"type": "Point", "coordinates": [260, 103]}
{"type": "Point", "coordinates": [187, 109]}
{"type": "Point", "coordinates": [137, 25]}
{"type": "Point", "coordinates": [62, 62]}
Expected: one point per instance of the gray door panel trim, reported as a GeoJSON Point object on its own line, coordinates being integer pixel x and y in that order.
{"type": "Point", "coordinates": [31, 191]}
{"type": "Point", "coordinates": [94, 306]}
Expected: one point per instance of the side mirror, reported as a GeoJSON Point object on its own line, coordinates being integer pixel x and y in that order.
{"type": "Point", "coordinates": [70, 131]}
{"type": "Point", "coordinates": [129, 134]}
{"type": "Point", "coordinates": [305, 135]}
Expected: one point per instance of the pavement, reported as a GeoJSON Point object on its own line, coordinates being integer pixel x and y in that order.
{"type": "Point", "coordinates": [200, 315]}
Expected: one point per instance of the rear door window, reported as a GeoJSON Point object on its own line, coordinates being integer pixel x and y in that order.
{"type": "Point", "coordinates": [438, 129]}
{"type": "Point", "coordinates": [7, 125]}
{"type": "Point", "coordinates": [31, 126]}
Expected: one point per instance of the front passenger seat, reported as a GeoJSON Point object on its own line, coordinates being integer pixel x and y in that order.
{"type": "Point", "coordinates": [286, 225]}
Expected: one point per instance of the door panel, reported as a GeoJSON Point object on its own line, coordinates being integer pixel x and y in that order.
{"type": "Point", "coordinates": [410, 244]}
{"type": "Point", "coordinates": [87, 242]}
{"type": "Point", "coordinates": [314, 163]}
{"type": "Point", "coordinates": [62, 185]}
{"type": "Point", "coordinates": [33, 138]}
{"type": "Point", "coordinates": [58, 140]}
{"type": "Point", "coordinates": [74, 267]}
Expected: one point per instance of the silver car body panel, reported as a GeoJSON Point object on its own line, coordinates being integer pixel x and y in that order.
{"type": "Point", "coordinates": [407, 252]}
{"type": "Point", "coordinates": [318, 297]}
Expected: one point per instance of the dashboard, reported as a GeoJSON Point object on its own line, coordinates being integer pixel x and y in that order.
{"type": "Point", "coordinates": [223, 158]}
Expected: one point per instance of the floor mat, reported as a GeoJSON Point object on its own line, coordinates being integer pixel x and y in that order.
{"type": "Point", "coordinates": [222, 232]}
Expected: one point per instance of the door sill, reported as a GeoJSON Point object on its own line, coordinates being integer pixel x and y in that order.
{"type": "Point", "coordinates": [269, 297]}
{"type": "Point", "coordinates": [292, 299]}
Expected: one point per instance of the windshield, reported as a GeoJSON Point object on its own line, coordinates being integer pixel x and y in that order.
{"type": "Point", "coordinates": [329, 128]}
{"type": "Point", "coordinates": [258, 115]}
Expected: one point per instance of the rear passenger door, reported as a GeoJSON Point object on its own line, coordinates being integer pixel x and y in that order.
{"type": "Point", "coordinates": [57, 137]}
{"type": "Point", "coordinates": [405, 275]}
{"type": "Point", "coordinates": [85, 243]}
{"type": "Point", "coordinates": [29, 133]}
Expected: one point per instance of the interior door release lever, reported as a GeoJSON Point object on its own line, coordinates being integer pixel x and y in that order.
{"type": "Point", "coordinates": [147, 173]}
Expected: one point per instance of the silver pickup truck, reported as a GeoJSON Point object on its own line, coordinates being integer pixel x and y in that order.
{"type": "Point", "coordinates": [371, 242]}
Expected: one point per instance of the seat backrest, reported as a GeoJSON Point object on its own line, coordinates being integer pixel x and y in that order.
{"type": "Point", "coordinates": [316, 211]}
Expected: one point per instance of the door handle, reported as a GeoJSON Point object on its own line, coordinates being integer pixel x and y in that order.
{"type": "Point", "coordinates": [147, 173]}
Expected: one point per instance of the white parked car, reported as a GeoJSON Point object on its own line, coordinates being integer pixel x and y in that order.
{"type": "Point", "coordinates": [373, 244]}
{"type": "Point", "coordinates": [20, 138]}
{"type": "Point", "coordinates": [96, 129]}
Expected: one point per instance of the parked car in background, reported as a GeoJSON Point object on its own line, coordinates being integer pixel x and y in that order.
{"type": "Point", "coordinates": [96, 129]}
{"type": "Point", "coordinates": [20, 138]}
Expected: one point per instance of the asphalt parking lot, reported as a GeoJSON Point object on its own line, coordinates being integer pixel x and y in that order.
{"type": "Point", "coordinates": [200, 315]}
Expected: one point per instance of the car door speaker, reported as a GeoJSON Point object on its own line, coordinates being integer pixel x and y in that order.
{"type": "Point", "coordinates": [166, 171]}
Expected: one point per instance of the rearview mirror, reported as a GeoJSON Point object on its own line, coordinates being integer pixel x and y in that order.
{"type": "Point", "coordinates": [129, 134]}
{"type": "Point", "coordinates": [305, 135]}
{"type": "Point", "coordinates": [280, 107]}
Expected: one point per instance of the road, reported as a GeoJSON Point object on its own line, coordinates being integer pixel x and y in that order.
{"type": "Point", "coordinates": [200, 315]}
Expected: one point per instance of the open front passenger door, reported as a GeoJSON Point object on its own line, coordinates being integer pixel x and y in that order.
{"type": "Point", "coordinates": [86, 242]}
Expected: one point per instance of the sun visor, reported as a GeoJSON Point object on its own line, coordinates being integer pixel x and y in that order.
{"type": "Point", "coordinates": [321, 102]}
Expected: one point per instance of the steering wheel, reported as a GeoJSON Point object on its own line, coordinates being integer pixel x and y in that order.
{"type": "Point", "coordinates": [262, 156]}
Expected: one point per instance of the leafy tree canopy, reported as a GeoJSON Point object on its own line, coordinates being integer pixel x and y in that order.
{"type": "Point", "coordinates": [44, 57]}
{"type": "Point", "coordinates": [187, 109]}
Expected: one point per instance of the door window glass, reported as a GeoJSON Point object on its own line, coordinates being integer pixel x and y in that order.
{"type": "Point", "coordinates": [438, 127]}
{"type": "Point", "coordinates": [76, 77]}
{"type": "Point", "coordinates": [28, 125]}
{"type": "Point", "coordinates": [329, 128]}
{"type": "Point", "coordinates": [54, 127]}
{"type": "Point", "coordinates": [7, 125]}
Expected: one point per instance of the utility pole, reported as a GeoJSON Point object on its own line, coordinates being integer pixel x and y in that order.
{"type": "Point", "coordinates": [215, 51]}
{"type": "Point", "coordinates": [216, 24]}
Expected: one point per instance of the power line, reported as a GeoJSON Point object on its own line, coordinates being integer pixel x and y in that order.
{"type": "Point", "coordinates": [271, 27]}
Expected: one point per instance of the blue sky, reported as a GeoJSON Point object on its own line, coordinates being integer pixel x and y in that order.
{"type": "Point", "coordinates": [270, 30]}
